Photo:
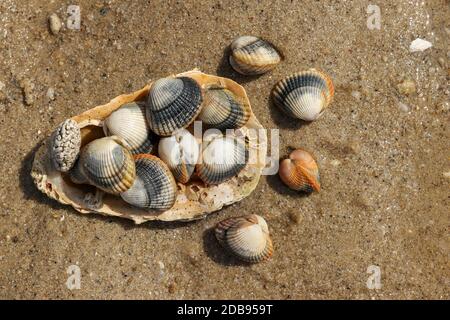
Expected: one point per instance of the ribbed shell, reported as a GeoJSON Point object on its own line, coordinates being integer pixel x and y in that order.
{"type": "Point", "coordinates": [108, 164]}
{"type": "Point", "coordinates": [304, 95]}
{"type": "Point", "coordinates": [154, 187]}
{"type": "Point", "coordinates": [221, 109]}
{"type": "Point", "coordinates": [252, 56]}
{"type": "Point", "coordinates": [172, 104]}
{"type": "Point", "coordinates": [222, 158]}
{"type": "Point", "coordinates": [65, 145]}
{"type": "Point", "coordinates": [180, 152]}
{"type": "Point", "coordinates": [300, 172]}
{"type": "Point", "coordinates": [129, 123]}
{"type": "Point", "coordinates": [247, 237]}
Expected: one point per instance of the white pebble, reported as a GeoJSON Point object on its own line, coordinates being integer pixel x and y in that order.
{"type": "Point", "coordinates": [335, 162]}
{"type": "Point", "coordinates": [356, 95]}
{"type": "Point", "coordinates": [420, 45]}
{"type": "Point", "coordinates": [55, 23]}
{"type": "Point", "coordinates": [51, 94]}
{"type": "Point", "coordinates": [403, 107]}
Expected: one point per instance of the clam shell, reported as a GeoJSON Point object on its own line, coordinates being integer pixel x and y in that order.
{"type": "Point", "coordinates": [222, 158]}
{"type": "Point", "coordinates": [172, 104]}
{"type": "Point", "coordinates": [180, 152]}
{"type": "Point", "coordinates": [252, 56]}
{"type": "Point", "coordinates": [154, 186]}
{"type": "Point", "coordinates": [108, 164]}
{"type": "Point", "coordinates": [129, 123]}
{"type": "Point", "coordinates": [223, 110]}
{"type": "Point", "coordinates": [195, 200]}
{"type": "Point", "coordinates": [65, 145]}
{"type": "Point", "coordinates": [300, 172]}
{"type": "Point", "coordinates": [304, 95]}
{"type": "Point", "coordinates": [247, 237]}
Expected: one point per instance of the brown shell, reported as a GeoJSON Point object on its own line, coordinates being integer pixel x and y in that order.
{"type": "Point", "coordinates": [194, 200]}
{"type": "Point", "coordinates": [300, 172]}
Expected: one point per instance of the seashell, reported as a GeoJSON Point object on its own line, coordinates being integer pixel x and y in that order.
{"type": "Point", "coordinates": [129, 123]}
{"type": "Point", "coordinates": [180, 152]}
{"type": "Point", "coordinates": [195, 200]}
{"type": "Point", "coordinates": [247, 237]}
{"type": "Point", "coordinates": [300, 172]}
{"type": "Point", "coordinates": [172, 104]}
{"type": "Point", "coordinates": [65, 145]}
{"type": "Point", "coordinates": [252, 56]}
{"type": "Point", "coordinates": [107, 164]}
{"type": "Point", "coordinates": [154, 186]}
{"type": "Point", "coordinates": [223, 110]}
{"type": "Point", "coordinates": [304, 95]}
{"type": "Point", "coordinates": [222, 158]}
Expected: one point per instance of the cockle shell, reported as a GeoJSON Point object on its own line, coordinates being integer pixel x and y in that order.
{"type": "Point", "coordinates": [172, 104]}
{"type": "Point", "coordinates": [300, 172]}
{"type": "Point", "coordinates": [221, 109]}
{"type": "Point", "coordinates": [107, 164]}
{"type": "Point", "coordinates": [154, 186]}
{"type": "Point", "coordinates": [252, 56]}
{"type": "Point", "coordinates": [304, 95]}
{"type": "Point", "coordinates": [194, 199]}
{"type": "Point", "coordinates": [129, 123]}
{"type": "Point", "coordinates": [65, 145]}
{"type": "Point", "coordinates": [222, 157]}
{"type": "Point", "coordinates": [247, 237]}
{"type": "Point", "coordinates": [180, 152]}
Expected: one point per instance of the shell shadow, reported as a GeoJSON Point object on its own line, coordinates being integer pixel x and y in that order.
{"type": "Point", "coordinates": [217, 253]}
{"type": "Point", "coordinates": [279, 187]}
{"type": "Point", "coordinates": [26, 184]}
{"type": "Point", "coordinates": [282, 120]}
{"type": "Point", "coordinates": [225, 70]}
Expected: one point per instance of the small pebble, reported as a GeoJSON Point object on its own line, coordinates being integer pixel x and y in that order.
{"type": "Point", "coordinates": [420, 45]}
{"type": "Point", "coordinates": [407, 87]}
{"type": "Point", "coordinates": [295, 217]}
{"type": "Point", "coordinates": [441, 62]}
{"type": "Point", "coordinates": [403, 107]}
{"type": "Point", "coordinates": [447, 174]}
{"type": "Point", "coordinates": [55, 24]}
{"type": "Point", "coordinates": [335, 162]}
{"type": "Point", "coordinates": [51, 94]}
{"type": "Point", "coordinates": [172, 288]}
{"type": "Point", "coordinates": [27, 88]}
{"type": "Point", "coordinates": [356, 95]}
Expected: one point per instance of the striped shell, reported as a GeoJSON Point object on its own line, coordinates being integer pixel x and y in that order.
{"type": "Point", "coordinates": [247, 237]}
{"type": "Point", "coordinates": [300, 172]}
{"type": "Point", "coordinates": [223, 110]}
{"type": "Point", "coordinates": [107, 164]}
{"type": "Point", "coordinates": [222, 158]}
{"type": "Point", "coordinates": [253, 56]}
{"type": "Point", "coordinates": [65, 145]}
{"type": "Point", "coordinates": [154, 186]}
{"type": "Point", "coordinates": [304, 95]}
{"type": "Point", "coordinates": [172, 104]}
{"type": "Point", "coordinates": [129, 123]}
{"type": "Point", "coordinates": [180, 152]}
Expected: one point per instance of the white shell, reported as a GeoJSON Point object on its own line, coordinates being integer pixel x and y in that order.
{"type": "Point", "coordinates": [180, 152]}
{"type": "Point", "coordinates": [65, 145]}
{"type": "Point", "coordinates": [129, 123]}
{"type": "Point", "coordinates": [247, 237]}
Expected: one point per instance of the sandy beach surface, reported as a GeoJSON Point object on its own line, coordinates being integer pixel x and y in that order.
{"type": "Point", "coordinates": [382, 148]}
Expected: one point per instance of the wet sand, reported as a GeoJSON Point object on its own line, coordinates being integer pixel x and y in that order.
{"type": "Point", "coordinates": [383, 155]}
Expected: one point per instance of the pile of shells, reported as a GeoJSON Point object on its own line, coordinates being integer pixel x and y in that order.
{"type": "Point", "coordinates": [140, 157]}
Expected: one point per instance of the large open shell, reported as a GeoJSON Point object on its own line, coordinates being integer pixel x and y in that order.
{"type": "Point", "coordinates": [194, 200]}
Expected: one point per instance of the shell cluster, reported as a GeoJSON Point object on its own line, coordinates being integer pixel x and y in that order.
{"type": "Point", "coordinates": [304, 95]}
{"type": "Point", "coordinates": [246, 237]}
{"type": "Point", "coordinates": [300, 172]}
{"type": "Point", "coordinates": [253, 56]}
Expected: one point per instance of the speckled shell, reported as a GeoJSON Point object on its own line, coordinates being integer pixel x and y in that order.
{"type": "Point", "coordinates": [304, 95]}
{"type": "Point", "coordinates": [223, 110]}
{"type": "Point", "coordinates": [172, 104]}
{"type": "Point", "coordinates": [65, 145]}
{"type": "Point", "coordinates": [300, 172]}
{"type": "Point", "coordinates": [252, 56]}
{"type": "Point", "coordinates": [154, 186]}
{"type": "Point", "coordinates": [246, 237]}
{"type": "Point", "coordinates": [222, 158]}
{"type": "Point", "coordinates": [129, 123]}
{"type": "Point", "coordinates": [180, 152]}
{"type": "Point", "coordinates": [194, 200]}
{"type": "Point", "coordinates": [108, 164]}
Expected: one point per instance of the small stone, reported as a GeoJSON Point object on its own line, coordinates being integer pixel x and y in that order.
{"type": "Point", "coordinates": [420, 45]}
{"type": "Point", "coordinates": [55, 24]}
{"type": "Point", "coordinates": [335, 162]}
{"type": "Point", "coordinates": [403, 107]}
{"type": "Point", "coordinates": [441, 62]}
{"type": "Point", "coordinates": [295, 217]}
{"type": "Point", "coordinates": [27, 88]}
{"type": "Point", "coordinates": [407, 87]}
{"type": "Point", "coordinates": [447, 174]}
{"type": "Point", "coordinates": [356, 95]}
{"type": "Point", "coordinates": [50, 94]}
{"type": "Point", "coordinates": [172, 287]}
{"type": "Point", "coordinates": [445, 107]}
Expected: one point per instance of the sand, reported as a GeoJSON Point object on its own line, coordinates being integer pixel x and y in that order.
{"type": "Point", "coordinates": [383, 152]}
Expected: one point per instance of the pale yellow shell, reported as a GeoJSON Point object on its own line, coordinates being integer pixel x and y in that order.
{"type": "Point", "coordinates": [194, 199]}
